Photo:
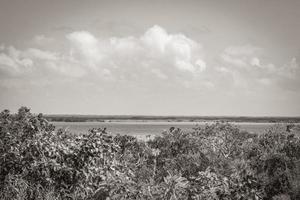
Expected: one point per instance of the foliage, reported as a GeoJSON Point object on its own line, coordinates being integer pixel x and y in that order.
{"type": "Point", "coordinates": [217, 161]}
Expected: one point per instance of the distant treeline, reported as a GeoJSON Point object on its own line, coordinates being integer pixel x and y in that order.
{"type": "Point", "coordinates": [105, 118]}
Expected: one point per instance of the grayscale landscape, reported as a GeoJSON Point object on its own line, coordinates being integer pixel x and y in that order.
{"type": "Point", "coordinates": [150, 100]}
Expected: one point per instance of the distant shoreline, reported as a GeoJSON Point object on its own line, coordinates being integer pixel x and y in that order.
{"type": "Point", "coordinates": [117, 118]}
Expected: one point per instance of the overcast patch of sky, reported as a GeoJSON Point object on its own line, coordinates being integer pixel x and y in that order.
{"type": "Point", "coordinates": [160, 58]}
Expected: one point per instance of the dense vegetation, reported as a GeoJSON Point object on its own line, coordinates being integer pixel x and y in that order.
{"type": "Point", "coordinates": [215, 162]}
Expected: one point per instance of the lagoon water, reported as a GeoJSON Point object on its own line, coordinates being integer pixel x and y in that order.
{"type": "Point", "coordinates": [144, 128]}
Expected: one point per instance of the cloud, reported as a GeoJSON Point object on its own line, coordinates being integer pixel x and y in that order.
{"type": "Point", "coordinates": [184, 66]}
{"type": "Point", "coordinates": [40, 54]}
{"type": "Point", "coordinates": [242, 50]}
{"type": "Point", "coordinates": [201, 64]}
{"type": "Point", "coordinates": [248, 67]}
{"type": "Point", "coordinates": [241, 56]}
{"type": "Point", "coordinates": [156, 39]}
{"type": "Point", "coordinates": [246, 58]}
{"type": "Point", "coordinates": [12, 61]}
{"type": "Point", "coordinates": [86, 47]}
{"type": "Point", "coordinates": [6, 60]}
{"type": "Point", "coordinates": [155, 54]}
{"type": "Point", "coordinates": [155, 47]}
{"type": "Point", "coordinates": [179, 50]}
{"type": "Point", "coordinates": [42, 40]}
{"type": "Point", "coordinates": [159, 73]}
{"type": "Point", "coordinates": [291, 69]}
{"type": "Point", "coordinates": [265, 81]}
{"type": "Point", "coordinates": [37, 64]}
{"type": "Point", "coordinates": [255, 62]}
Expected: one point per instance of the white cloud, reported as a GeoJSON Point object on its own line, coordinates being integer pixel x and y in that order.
{"type": "Point", "coordinates": [127, 46]}
{"type": "Point", "coordinates": [39, 54]}
{"type": "Point", "coordinates": [185, 66]}
{"type": "Point", "coordinates": [233, 61]}
{"type": "Point", "coordinates": [32, 61]}
{"type": "Point", "coordinates": [86, 47]}
{"type": "Point", "coordinates": [42, 40]}
{"type": "Point", "coordinates": [155, 46]}
{"type": "Point", "coordinates": [208, 84]}
{"type": "Point", "coordinates": [244, 56]}
{"type": "Point", "coordinates": [247, 67]}
{"type": "Point", "coordinates": [255, 62]}
{"type": "Point", "coordinates": [223, 69]}
{"type": "Point", "coordinates": [6, 60]}
{"type": "Point", "coordinates": [201, 64]}
{"type": "Point", "coordinates": [242, 50]}
{"type": "Point", "coordinates": [174, 49]}
{"type": "Point", "coordinates": [159, 73]}
{"type": "Point", "coordinates": [12, 60]}
{"type": "Point", "coordinates": [156, 39]}
{"type": "Point", "coordinates": [157, 52]}
{"type": "Point", "coordinates": [265, 81]}
{"type": "Point", "coordinates": [290, 70]}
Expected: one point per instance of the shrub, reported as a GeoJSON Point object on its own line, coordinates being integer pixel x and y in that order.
{"type": "Point", "coordinates": [217, 161]}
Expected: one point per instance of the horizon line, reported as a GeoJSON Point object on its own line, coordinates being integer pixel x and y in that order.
{"type": "Point", "coordinates": [165, 116]}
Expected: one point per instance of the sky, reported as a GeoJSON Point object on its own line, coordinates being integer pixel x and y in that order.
{"type": "Point", "coordinates": [167, 57]}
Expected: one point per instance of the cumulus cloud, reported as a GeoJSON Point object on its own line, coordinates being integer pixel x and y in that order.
{"type": "Point", "coordinates": [157, 51]}
{"type": "Point", "coordinates": [154, 54]}
{"type": "Point", "coordinates": [247, 68]}
{"type": "Point", "coordinates": [179, 50]}
{"type": "Point", "coordinates": [156, 39]}
{"type": "Point", "coordinates": [155, 46]}
{"type": "Point", "coordinates": [86, 46]}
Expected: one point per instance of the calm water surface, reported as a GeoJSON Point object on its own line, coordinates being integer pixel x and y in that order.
{"type": "Point", "coordinates": [153, 128]}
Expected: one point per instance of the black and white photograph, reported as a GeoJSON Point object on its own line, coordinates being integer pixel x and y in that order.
{"type": "Point", "coordinates": [149, 99]}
